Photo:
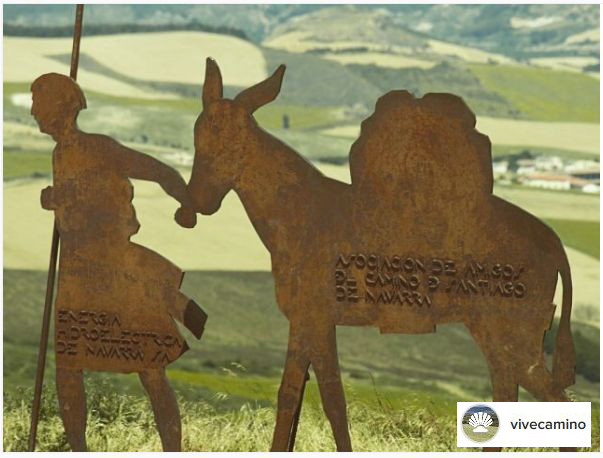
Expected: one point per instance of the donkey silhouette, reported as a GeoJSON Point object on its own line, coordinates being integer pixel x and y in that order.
{"type": "Point", "coordinates": [416, 240]}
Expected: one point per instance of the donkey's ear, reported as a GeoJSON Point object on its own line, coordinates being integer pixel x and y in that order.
{"type": "Point", "coordinates": [212, 87]}
{"type": "Point", "coordinates": [256, 96]}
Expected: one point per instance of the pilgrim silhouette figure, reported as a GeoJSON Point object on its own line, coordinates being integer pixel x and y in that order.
{"type": "Point", "coordinates": [116, 301]}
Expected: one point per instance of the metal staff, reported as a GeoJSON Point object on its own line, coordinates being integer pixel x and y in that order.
{"type": "Point", "coordinates": [297, 414]}
{"type": "Point", "coordinates": [54, 252]}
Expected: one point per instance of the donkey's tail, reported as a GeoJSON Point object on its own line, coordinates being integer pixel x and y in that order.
{"type": "Point", "coordinates": [564, 356]}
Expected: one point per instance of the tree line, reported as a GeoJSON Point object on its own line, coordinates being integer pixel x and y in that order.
{"type": "Point", "coordinates": [114, 29]}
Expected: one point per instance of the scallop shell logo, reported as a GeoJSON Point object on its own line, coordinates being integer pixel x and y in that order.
{"type": "Point", "coordinates": [480, 423]}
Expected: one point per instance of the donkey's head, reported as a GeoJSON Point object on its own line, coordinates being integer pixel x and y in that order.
{"type": "Point", "coordinates": [225, 136]}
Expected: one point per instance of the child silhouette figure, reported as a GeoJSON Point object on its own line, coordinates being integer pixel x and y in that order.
{"type": "Point", "coordinates": [116, 300]}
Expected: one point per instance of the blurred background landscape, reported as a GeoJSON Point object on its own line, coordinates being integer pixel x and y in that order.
{"type": "Point", "coordinates": [529, 72]}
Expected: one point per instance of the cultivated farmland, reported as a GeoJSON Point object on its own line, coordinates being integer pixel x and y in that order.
{"type": "Point", "coordinates": [227, 241]}
{"type": "Point", "coordinates": [144, 90]}
{"type": "Point", "coordinates": [380, 59]}
{"type": "Point", "coordinates": [543, 94]}
{"type": "Point", "coordinates": [581, 137]}
{"type": "Point", "coordinates": [145, 56]}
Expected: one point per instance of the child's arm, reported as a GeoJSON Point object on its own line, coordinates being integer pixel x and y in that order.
{"type": "Point", "coordinates": [143, 167]}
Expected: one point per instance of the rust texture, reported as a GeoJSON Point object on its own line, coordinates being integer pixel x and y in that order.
{"type": "Point", "coordinates": [52, 264]}
{"type": "Point", "coordinates": [116, 300]}
{"type": "Point", "coordinates": [416, 240]}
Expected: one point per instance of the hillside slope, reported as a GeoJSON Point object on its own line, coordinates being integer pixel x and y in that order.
{"type": "Point", "coordinates": [522, 31]}
{"type": "Point", "coordinates": [161, 56]}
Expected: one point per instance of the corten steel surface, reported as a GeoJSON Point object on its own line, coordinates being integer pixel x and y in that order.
{"type": "Point", "coordinates": [52, 264]}
{"type": "Point", "coordinates": [116, 300]}
{"type": "Point", "coordinates": [416, 240]}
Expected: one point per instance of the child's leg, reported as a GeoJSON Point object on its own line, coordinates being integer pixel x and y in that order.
{"type": "Point", "coordinates": [165, 408]}
{"type": "Point", "coordinates": [72, 404]}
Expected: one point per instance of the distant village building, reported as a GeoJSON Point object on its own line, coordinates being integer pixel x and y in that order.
{"type": "Point", "coordinates": [500, 167]}
{"type": "Point", "coordinates": [559, 182]}
{"type": "Point", "coordinates": [579, 184]}
{"type": "Point", "coordinates": [581, 165]}
{"type": "Point", "coordinates": [549, 172]}
{"type": "Point", "coordinates": [526, 167]}
{"type": "Point", "coordinates": [592, 188]}
{"type": "Point", "coordinates": [587, 171]}
{"type": "Point", "coordinates": [592, 174]}
{"type": "Point", "coordinates": [548, 163]}
{"type": "Point", "coordinates": [539, 164]}
{"type": "Point", "coordinates": [547, 181]}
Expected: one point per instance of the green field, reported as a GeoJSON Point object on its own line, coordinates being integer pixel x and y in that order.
{"type": "Point", "coordinates": [543, 94]}
{"type": "Point", "coordinates": [269, 116]}
{"type": "Point", "coordinates": [168, 123]}
{"type": "Point", "coordinates": [19, 164]}
{"type": "Point", "coordinates": [228, 381]}
{"type": "Point", "coordinates": [445, 77]}
{"type": "Point", "coordinates": [581, 235]}
{"type": "Point", "coordinates": [124, 423]}
{"type": "Point", "coordinates": [165, 123]}
{"type": "Point", "coordinates": [401, 389]}
{"type": "Point", "coordinates": [245, 327]}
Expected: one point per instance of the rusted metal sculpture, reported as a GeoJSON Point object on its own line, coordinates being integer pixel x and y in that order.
{"type": "Point", "coordinates": [52, 265]}
{"type": "Point", "coordinates": [416, 240]}
{"type": "Point", "coordinates": [116, 300]}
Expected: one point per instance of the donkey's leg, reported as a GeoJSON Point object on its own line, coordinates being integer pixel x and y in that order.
{"type": "Point", "coordinates": [539, 382]}
{"type": "Point", "coordinates": [326, 367]}
{"type": "Point", "coordinates": [290, 391]}
{"type": "Point", "coordinates": [503, 378]}
{"type": "Point", "coordinates": [504, 389]}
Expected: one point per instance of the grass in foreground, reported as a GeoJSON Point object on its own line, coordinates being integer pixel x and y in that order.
{"type": "Point", "coordinates": [401, 390]}
{"type": "Point", "coordinates": [125, 423]}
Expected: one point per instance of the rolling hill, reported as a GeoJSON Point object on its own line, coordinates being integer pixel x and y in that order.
{"type": "Point", "coordinates": [522, 31]}
{"type": "Point", "coordinates": [227, 241]}
{"type": "Point", "coordinates": [144, 90]}
{"type": "Point", "coordinates": [246, 328]}
{"type": "Point", "coordinates": [156, 56]}
{"type": "Point", "coordinates": [572, 136]}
